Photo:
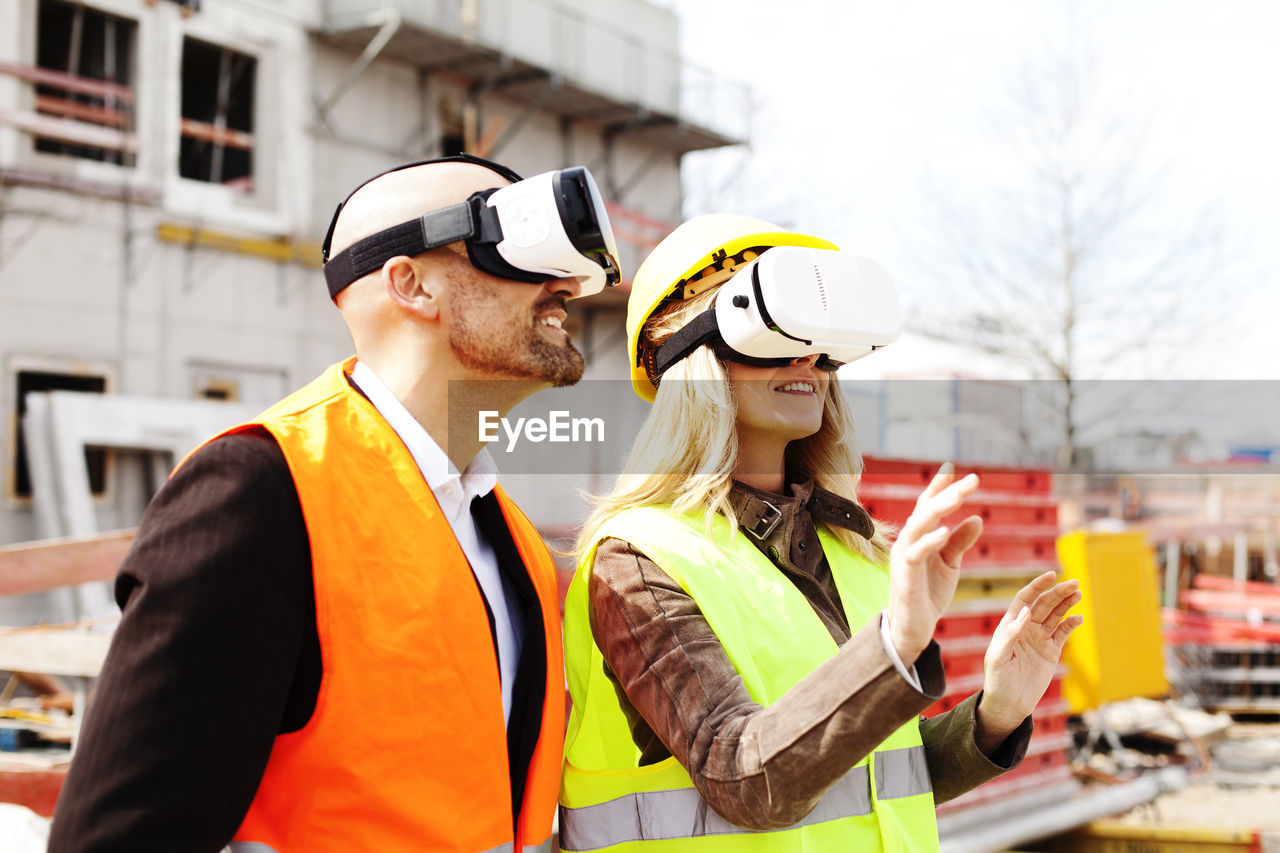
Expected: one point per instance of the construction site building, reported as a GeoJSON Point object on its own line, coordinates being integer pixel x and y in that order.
{"type": "Point", "coordinates": [168, 170]}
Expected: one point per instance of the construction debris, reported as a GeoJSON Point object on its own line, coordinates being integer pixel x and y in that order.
{"type": "Point", "coordinates": [1164, 721]}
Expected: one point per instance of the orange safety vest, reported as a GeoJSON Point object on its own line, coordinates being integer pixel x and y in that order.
{"type": "Point", "coordinates": [406, 749]}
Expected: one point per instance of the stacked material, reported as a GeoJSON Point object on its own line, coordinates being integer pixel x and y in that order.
{"type": "Point", "coordinates": [1224, 645]}
{"type": "Point", "coordinates": [32, 777]}
{"type": "Point", "coordinates": [1020, 526]}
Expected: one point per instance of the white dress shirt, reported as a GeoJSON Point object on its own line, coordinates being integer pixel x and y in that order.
{"type": "Point", "coordinates": [454, 493]}
{"type": "Point", "coordinates": [910, 675]}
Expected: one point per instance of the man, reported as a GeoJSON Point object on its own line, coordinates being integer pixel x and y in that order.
{"type": "Point", "coordinates": [331, 640]}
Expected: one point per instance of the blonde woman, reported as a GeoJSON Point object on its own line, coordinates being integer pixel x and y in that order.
{"type": "Point", "coordinates": [747, 650]}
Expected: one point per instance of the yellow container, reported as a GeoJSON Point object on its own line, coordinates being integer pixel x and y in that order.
{"type": "Point", "coordinates": [1118, 652]}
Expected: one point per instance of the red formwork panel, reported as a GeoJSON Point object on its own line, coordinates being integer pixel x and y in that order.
{"type": "Point", "coordinates": [1202, 581]}
{"type": "Point", "coordinates": [895, 504]}
{"type": "Point", "coordinates": [1050, 724]}
{"type": "Point", "coordinates": [35, 788]}
{"type": "Point", "coordinates": [1017, 508]}
{"type": "Point", "coordinates": [1230, 602]}
{"type": "Point", "coordinates": [962, 663]}
{"type": "Point", "coordinates": [956, 626]}
{"type": "Point", "coordinates": [994, 477]}
{"type": "Point", "coordinates": [1183, 628]}
{"type": "Point", "coordinates": [994, 551]}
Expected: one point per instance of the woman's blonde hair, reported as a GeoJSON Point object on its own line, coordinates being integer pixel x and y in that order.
{"type": "Point", "coordinates": [686, 451]}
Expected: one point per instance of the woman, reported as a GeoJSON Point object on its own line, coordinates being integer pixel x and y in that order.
{"type": "Point", "coordinates": [747, 651]}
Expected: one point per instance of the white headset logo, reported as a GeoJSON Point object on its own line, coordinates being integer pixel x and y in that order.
{"type": "Point", "coordinates": [524, 222]}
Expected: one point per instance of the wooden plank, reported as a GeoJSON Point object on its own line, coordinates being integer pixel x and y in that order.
{"type": "Point", "coordinates": [222, 135]}
{"type": "Point", "coordinates": [69, 130]}
{"type": "Point", "coordinates": [54, 652]}
{"type": "Point", "coordinates": [83, 112]}
{"type": "Point", "coordinates": [68, 82]}
{"type": "Point", "coordinates": [52, 563]}
{"type": "Point", "coordinates": [1110, 836]}
{"type": "Point", "coordinates": [283, 249]}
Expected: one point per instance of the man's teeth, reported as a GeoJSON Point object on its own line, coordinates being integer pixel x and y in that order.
{"type": "Point", "coordinates": [799, 386]}
{"type": "Point", "coordinates": [553, 322]}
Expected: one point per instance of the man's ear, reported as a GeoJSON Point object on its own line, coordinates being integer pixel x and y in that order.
{"type": "Point", "coordinates": [411, 286]}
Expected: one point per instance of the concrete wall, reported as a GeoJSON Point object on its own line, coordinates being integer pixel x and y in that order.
{"type": "Point", "coordinates": [627, 49]}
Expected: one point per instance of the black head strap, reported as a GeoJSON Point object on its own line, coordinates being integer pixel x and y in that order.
{"type": "Point", "coordinates": [462, 221]}
{"type": "Point", "coordinates": [471, 218]}
{"type": "Point", "coordinates": [698, 331]}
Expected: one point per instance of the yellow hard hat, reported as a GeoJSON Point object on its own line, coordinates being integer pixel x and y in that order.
{"type": "Point", "coordinates": [701, 253]}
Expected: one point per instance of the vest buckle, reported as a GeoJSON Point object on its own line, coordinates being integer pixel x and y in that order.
{"type": "Point", "coordinates": [766, 520]}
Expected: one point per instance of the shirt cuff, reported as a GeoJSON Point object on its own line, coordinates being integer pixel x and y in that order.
{"type": "Point", "coordinates": [909, 675]}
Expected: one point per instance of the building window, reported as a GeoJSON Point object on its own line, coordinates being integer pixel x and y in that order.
{"type": "Point", "coordinates": [238, 383]}
{"type": "Point", "coordinates": [218, 389]}
{"type": "Point", "coordinates": [217, 115]}
{"type": "Point", "coordinates": [37, 380]}
{"type": "Point", "coordinates": [83, 83]}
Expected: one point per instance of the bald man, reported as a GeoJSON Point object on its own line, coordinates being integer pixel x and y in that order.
{"type": "Point", "coordinates": [338, 634]}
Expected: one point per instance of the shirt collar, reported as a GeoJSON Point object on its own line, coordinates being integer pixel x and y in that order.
{"type": "Point", "coordinates": [481, 474]}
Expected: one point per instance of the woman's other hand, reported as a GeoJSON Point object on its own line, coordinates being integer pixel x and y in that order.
{"type": "Point", "coordinates": [924, 563]}
{"type": "Point", "coordinates": [1023, 655]}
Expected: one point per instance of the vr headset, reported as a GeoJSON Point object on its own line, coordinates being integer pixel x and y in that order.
{"type": "Point", "coordinates": [791, 302]}
{"type": "Point", "coordinates": [552, 225]}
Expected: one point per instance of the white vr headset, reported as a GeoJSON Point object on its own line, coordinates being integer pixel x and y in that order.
{"type": "Point", "coordinates": [792, 302]}
{"type": "Point", "coordinates": [552, 225]}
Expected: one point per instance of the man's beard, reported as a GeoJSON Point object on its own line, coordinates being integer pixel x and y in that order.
{"type": "Point", "coordinates": [512, 353]}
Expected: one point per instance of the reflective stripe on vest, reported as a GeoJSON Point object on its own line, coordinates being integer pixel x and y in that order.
{"type": "Point", "coordinates": [902, 773]}
{"type": "Point", "coordinates": [508, 847]}
{"type": "Point", "coordinates": [661, 815]}
{"type": "Point", "coordinates": [682, 813]}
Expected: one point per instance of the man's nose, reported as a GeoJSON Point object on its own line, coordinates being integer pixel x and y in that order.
{"type": "Point", "coordinates": [570, 288]}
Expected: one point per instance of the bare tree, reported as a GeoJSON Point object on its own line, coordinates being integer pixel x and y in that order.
{"type": "Point", "coordinates": [760, 177]}
{"type": "Point", "coordinates": [1063, 254]}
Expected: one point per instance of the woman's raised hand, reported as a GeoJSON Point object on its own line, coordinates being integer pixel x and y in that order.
{"type": "Point", "coordinates": [1024, 654]}
{"type": "Point", "coordinates": [924, 563]}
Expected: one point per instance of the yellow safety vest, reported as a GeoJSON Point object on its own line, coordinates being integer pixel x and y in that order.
{"type": "Point", "coordinates": [774, 638]}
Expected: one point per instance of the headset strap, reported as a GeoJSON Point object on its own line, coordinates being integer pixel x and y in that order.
{"type": "Point", "coordinates": [497, 168]}
{"type": "Point", "coordinates": [462, 221]}
{"type": "Point", "coordinates": [685, 340]}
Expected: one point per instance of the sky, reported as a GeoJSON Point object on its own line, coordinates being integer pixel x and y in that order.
{"type": "Point", "coordinates": [865, 112]}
